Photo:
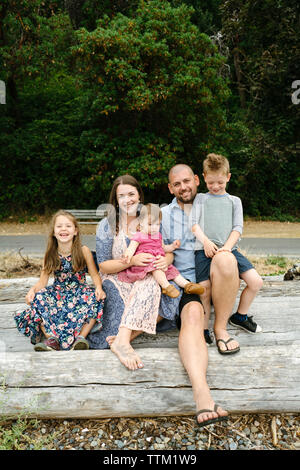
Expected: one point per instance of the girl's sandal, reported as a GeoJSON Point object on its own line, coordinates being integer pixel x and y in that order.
{"type": "Point", "coordinates": [80, 344]}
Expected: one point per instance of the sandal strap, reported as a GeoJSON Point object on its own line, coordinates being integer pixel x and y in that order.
{"type": "Point", "coordinates": [225, 342]}
{"type": "Point", "coordinates": [205, 410]}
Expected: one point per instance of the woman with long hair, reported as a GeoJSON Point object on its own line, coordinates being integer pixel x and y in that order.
{"type": "Point", "coordinates": [130, 308]}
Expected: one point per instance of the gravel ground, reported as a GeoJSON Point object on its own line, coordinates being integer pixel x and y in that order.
{"type": "Point", "coordinates": [242, 432]}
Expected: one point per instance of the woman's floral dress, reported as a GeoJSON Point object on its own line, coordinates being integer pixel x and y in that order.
{"type": "Point", "coordinates": [63, 308]}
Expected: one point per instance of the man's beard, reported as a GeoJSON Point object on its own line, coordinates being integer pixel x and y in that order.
{"type": "Point", "coordinates": [189, 200]}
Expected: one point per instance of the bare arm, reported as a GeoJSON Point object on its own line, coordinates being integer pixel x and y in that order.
{"type": "Point", "coordinates": [231, 241]}
{"type": "Point", "coordinates": [210, 248]}
{"type": "Point", "coordinates": [114, 266]}
{"type": "Point", "coordinates": [100, 294]}
{"type": "Point", "coordinates": [130, 250]}
{"type": "Point", "coordinates": [170, 248]}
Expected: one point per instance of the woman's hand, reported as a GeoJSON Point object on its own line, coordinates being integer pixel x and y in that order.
{"type": "Point", "coordinates": [127, 257]}
{"type": "Point", "coordinates": [161, 263]}
{"type": "Point", "coordinates": [100, 294]}
{"type": "Point", "coordinates": [142, 259]}
{"type": "Point", "coordinates": [30, 296]}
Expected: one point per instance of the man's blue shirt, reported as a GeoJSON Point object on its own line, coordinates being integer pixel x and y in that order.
{"type": "Point", "coordinates": [175, 226]}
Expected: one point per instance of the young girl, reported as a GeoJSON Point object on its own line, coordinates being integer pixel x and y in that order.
{"type": "Point", "coordinates": [65, 312]}
{"type": "Point", "coordinates": [149, 240]}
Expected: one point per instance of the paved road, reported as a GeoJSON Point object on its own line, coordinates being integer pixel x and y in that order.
{"type": "Point", "coordinates": [36, 245]}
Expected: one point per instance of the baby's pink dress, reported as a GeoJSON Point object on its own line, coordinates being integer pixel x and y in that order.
{"type": "Point", "coordinates": [147, 244]}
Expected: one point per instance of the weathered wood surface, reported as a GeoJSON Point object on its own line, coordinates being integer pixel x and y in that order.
{"type": "Point", "coordinates": [263, 377]}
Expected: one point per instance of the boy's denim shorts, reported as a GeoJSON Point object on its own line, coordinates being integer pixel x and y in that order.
{"type": "Point", "coordinates": [202, 264]}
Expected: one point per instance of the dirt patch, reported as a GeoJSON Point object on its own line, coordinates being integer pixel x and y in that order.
{"type": "Point", "coordinates": [270, 229]}
{"type": "Point", "coordinates": [17, 265]}
{"type": "Point", "coordinates": [14, 265]}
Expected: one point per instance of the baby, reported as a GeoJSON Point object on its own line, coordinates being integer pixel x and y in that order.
{"type": "Point", "coordinates": [149, 240]}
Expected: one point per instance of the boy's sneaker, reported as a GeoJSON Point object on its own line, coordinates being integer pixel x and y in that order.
{"type": "Point", "coordinates": [248, 325]}
{"type": "Point", "coordinates": [50, 344]}
{"type": "Point", "coordinates": [209, 337]}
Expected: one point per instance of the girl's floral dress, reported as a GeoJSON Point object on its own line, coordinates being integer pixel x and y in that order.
{"type": "Point", "coordinates": [63, 308]}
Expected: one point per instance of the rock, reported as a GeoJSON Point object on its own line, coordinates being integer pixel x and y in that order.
{"type": "Point", "coordinates": [232, 446]}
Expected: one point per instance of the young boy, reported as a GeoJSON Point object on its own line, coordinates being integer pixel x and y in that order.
{"type": "Point", "coordinates": [217, 223]}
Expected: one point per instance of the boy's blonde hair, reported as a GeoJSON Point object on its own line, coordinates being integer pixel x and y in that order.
{"type": "Point", "coordinates": [214, 163]}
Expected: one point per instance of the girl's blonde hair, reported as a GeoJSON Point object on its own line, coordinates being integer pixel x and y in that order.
{"type": "Point", "coordinates": [51, 259]}
{"type": "Point", "coordinates": [214, 163]}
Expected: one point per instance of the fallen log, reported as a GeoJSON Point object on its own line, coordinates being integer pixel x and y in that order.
{"type": "Point", "coordinates": [93, 384]}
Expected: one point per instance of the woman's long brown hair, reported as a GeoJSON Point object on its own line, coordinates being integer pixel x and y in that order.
{"type": "Point", "coordinates": [51, 258]}
{"type": "Point", "coordinates": [113, 215]}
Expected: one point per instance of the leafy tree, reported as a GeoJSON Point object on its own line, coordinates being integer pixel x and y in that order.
{"type": "Point", "coordinates": [264, 48]}
{"type": "Point", "coordinates": [152, 94]}
{"type": "Point", "coordinates": [35, 138]}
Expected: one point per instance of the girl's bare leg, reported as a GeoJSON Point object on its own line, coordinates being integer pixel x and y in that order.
{"type": "Point", "coordinates": [87, 328]}
{"type": "Point", "coordinates": [160, 278]}
{"type": "Point", "coordinates": [44, 332]}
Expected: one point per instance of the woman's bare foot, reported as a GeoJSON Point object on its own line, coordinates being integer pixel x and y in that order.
{"type": "Point", "coordinates": [134, 334]}
{"type": "Point", "coordinates": [110, 340]}
{"type": "Point", "coordinates": [126, 354]}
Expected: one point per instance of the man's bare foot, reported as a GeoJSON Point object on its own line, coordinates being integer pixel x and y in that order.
{"type": "Point", "coordinates": [127, 355]}
{"type": "Point", "coordinates": [225, 343]}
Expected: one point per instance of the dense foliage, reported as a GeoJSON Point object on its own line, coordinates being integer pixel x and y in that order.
{"type": "Point", "coordinates": [96, 89]}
